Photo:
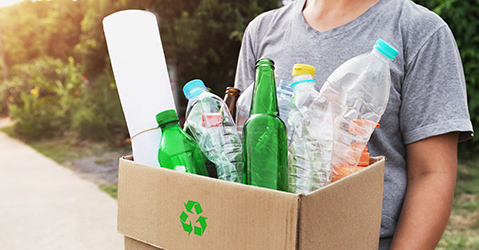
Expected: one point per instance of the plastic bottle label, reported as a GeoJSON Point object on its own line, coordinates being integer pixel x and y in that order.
{"type": "Point", "coordinates": [212, 120]}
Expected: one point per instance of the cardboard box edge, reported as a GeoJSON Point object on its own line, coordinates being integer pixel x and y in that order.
{"type": "Point", "coordinates": [299, 197]}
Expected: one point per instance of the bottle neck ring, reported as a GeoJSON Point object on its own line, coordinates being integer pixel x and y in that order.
{"type": "Point", "coordinates": [381, 56]}
{"type": "Point", "coordinates": [168, 124]}
{"type": "Point", "coordinates": [302, 82]}
{"type": "Point", "coordinates": [195, 92]}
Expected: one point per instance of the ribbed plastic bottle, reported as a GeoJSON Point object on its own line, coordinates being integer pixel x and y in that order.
{"type": "Point", "coordinates": [302, 87]}
{"type": "Point", "coordinates": [177, 150]}
{"type": "Point", "coordinates": [284, 94]}
{"type": "Point", "coordinates": [358, 91]}
{"type": "Point", "coordinates": [210, 123]}
{"type": "Point", "coordinates": [265, 149]}
{"type": "Point", "coordinates": [311, 134]}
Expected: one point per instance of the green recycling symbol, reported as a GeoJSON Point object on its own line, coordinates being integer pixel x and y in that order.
{"type": "Point", "coordinates": [185, 218]}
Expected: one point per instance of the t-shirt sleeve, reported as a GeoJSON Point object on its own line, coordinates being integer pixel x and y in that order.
{"type": "Point", "coordinates": [245, 69]}
{"type": "Point", "coordinates": [433, 94]}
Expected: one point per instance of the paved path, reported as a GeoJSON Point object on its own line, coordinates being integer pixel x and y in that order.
{"type": "Point", "coordinates": [44, 205]}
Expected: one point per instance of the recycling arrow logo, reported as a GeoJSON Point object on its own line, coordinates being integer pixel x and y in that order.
{"type": "Point", "coordinates": [193, 214]}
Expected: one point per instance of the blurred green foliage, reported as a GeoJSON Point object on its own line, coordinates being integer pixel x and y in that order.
{"type": "Point", "coordinates": [201, 38]}
{"type": "Point", "coordinates": [43, 95]}
{"type": "Point", "coordinates": [55, 70]}
{"type": "Point", "coordinates": [462, 16]}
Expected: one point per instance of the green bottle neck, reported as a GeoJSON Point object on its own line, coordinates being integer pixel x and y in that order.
{"type": "Point", "coordinates": [169, 125]}
{"type": "Point", "coordinates": [264, 95]}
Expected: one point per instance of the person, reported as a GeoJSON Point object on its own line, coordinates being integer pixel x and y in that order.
{"type": "Point", "coordinates": [427, 113]}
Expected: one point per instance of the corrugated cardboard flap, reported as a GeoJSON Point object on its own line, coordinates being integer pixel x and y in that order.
{"type": "Point", "coordinates": [355, 202]}
{"type": "Point", "coordinates": [152, 199]}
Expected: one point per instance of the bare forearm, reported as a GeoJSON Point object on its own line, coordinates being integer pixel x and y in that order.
{"type": "Point", "coordinates": [432, 166]}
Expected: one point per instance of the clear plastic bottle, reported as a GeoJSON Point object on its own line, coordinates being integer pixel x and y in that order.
{"type": "Point", "coordinates": [311, 134]}
{"type": "Point", "coordinates": [210, 123]}
{"type": "Point", "coordinates": [358, 91]}
{"type": "Point", "coordinates": [243, 108]}
{"type": "Point", "coordinates": [284, 94]}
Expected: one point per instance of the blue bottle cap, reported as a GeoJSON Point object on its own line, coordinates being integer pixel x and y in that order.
{"type": "Point", "coordinates": [386, 49]}
{"type": "Point", "coordinates": [194, 88]}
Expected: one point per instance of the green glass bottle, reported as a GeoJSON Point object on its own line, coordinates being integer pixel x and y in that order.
{"type": "Point", "coordinates": [265, 149]}
{"type": "Point", "coordinates": [178, 151]}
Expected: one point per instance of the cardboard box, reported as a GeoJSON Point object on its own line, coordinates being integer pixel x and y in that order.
{"type": "Point", "coordinates": [163, 209]}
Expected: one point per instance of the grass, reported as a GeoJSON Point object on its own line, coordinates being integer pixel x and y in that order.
{"type": "Point", "coordinates": [112, 190]}
{"type": "Point", "coordinates": [66, 148]}
{"type": "Point", "coordinates": [462, 231]}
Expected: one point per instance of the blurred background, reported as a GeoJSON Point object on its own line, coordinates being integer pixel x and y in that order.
{"type": "Point", "coordinates": [55, 71]}
{"type": "Point", "coordinates": [57, 85]}
{"type": "Point", "coordinates": [55, 74]}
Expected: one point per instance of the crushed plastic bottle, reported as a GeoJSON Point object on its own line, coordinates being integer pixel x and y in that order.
{"type": "Point", "coordinates": [358, 91]}
{"type": "Point", "coordinates": [243, 108]}
{"type": "Point", "coordinates": [311, 134]}
{"type": "Point", "coordinates": [284, 94]}
{"type": "Point", "coordinates": [210, 123]}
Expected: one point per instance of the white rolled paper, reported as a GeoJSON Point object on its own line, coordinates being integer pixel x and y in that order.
{"type": "Point", "coordinates": [141, 76]}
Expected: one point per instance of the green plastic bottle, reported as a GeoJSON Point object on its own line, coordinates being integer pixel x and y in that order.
{"type": "Point", "coordinates": [178, 151]}
{"type": "Point", "coordinates": [265, 149]}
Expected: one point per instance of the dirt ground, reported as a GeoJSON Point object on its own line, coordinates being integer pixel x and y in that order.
{"type": "Point", "coordinates": [102, 170]}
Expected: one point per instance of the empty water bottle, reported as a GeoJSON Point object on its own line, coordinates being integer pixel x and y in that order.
{"type": "Point", "coordinates": [311, 134]}
{"type": "Point", "coordinates": [358, 91]}
{"type": "Point", "coordinates": [243, 108]}
{"type": "Point", "coordinates": [284, 93]}
{"type": "Point", "coordinates": [210, 123]}
{"type": "Point", "coordinates": [301, 85]}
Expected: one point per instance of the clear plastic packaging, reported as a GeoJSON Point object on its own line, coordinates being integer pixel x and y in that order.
{"type": "Point", "coordinates": [311, 135]}
{"type": "Point", "coordinates": [284, 94]}
{"type": "Point", "coordinates": [358, 91]}
{"type": "Point", "coordinates": [210, 123]}
{"type": "Point", "coordinates": [243, 108]}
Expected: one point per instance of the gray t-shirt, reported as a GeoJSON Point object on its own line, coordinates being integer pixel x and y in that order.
{"type": "Point", "coordinates": [428, 94]}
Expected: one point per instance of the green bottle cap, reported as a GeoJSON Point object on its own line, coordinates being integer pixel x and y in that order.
{"type": "Point", "coordinates": [166, 116]}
